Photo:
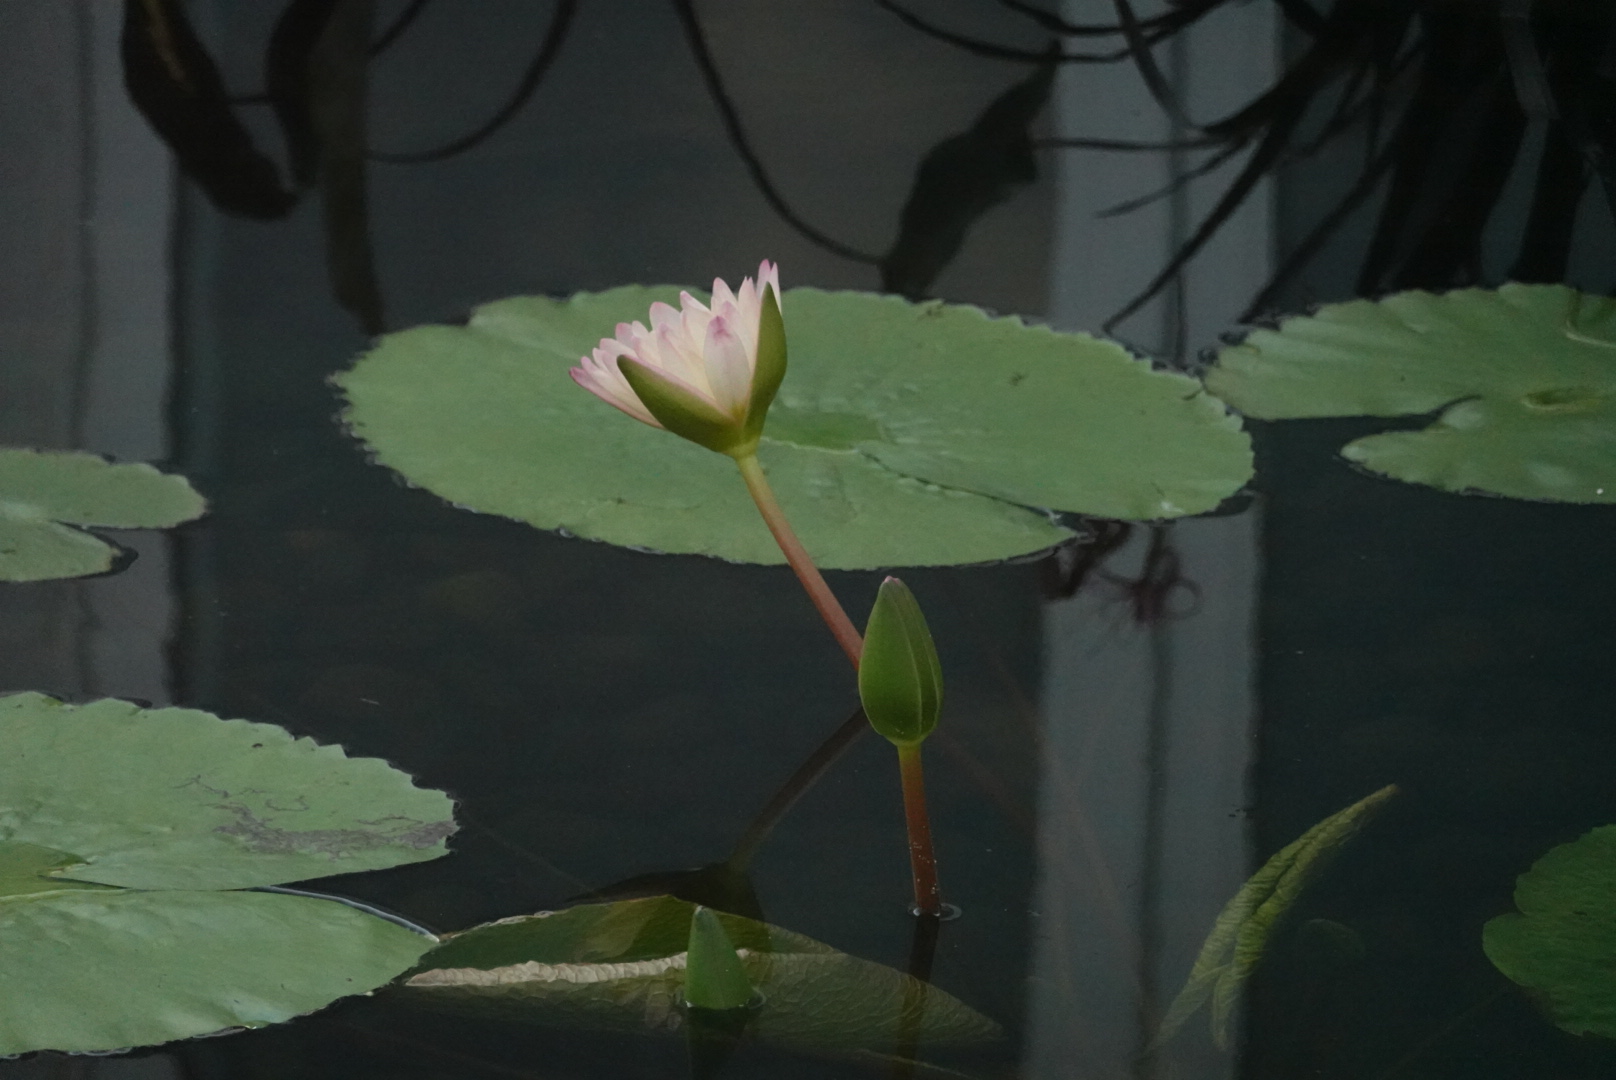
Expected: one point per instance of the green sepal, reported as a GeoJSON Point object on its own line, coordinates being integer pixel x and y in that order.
{"type": "Point", "coordinates": [680, 411]}
{"type": "Point", "coordinates": [770, 371]}
{"type": "Point", "coordinates": [714, 977]}
{"type": "Point", "coordinates": [900, 679]}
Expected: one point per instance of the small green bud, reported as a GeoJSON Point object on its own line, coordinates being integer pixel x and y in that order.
{"type": "Point", "coordinates": [714, 977]}
{"type": "Point", "coordinates": [900, 680]}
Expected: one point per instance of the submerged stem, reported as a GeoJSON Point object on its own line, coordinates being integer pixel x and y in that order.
{"type": "Point", "coordinates": [830, 609]}
{"type": "Point", "coordinates": [922, 860]}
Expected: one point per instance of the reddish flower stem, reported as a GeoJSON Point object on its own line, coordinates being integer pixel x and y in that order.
{"type": "Point", "coordinates": [830, 609]}
{"type": "Point", "coordinates": [922, 860]}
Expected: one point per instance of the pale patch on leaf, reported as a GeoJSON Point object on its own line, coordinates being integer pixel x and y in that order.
{"type": "Point", "coordinates": [620, 967]}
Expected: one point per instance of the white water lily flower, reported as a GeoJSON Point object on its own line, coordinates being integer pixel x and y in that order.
{"type": "Point", "coordinates": [705, 373]}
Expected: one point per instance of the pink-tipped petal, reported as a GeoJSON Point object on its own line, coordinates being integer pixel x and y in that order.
{"type": "Point", "coordinates": [728, 369]}
{"type": "Point", "coordinates": [769, 274]}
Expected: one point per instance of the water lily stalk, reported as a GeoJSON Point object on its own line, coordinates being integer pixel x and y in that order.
{"type": "Point", "coordinates": [901, 688]}
{"type": "Point", "coordinates": [709, 374]}
{"type": "Point", "coordinates": [813, 582]}
{"type": "Point", "coordinates": [922, 859]}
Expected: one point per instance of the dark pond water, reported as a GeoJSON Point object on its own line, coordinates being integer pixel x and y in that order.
{"type": "Point", "coordinates": [1108, 771]}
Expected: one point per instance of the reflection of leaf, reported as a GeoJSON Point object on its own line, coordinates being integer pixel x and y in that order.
{"type": "Point", "coordinates": [179, 799]}
{"type": "Point", "coordinates": [1525, 376]}
{"type": "Point", "coordinates": [179, 804]}
{"type": "Point", "coordinates": [619, 967]}
{"type": "Point", "coordinates": [962, 178]}
{"type": "Point", "coordinates": [905, 434]}
{"type": "Point", "coordinates": [1246, 924]}
{"type": "Point", "coordinates": [93, 968]}
{"type": "Point", "coordinates": [42, 493]}
{"type": "Point", "coordinates": [175, 85]}
{"type": "Point", "coordinates": [1562, 945]}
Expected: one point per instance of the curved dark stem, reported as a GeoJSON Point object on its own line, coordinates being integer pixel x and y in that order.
{"type": "Point", "coordinates": [1374, 171]}
{"type": "Point", "coordinates": [1303, 16]}
{"type": "Point", "coordinates": [1054, 23]}
{"type": "Point", "coordinates": [686, 11]}
{"type": "Point", "coordinates": [1525, 61]}
{"type": "Point", "coordinates": [1562, 176]}
{"type": "Point", "coordinates": [1122, 144]}
{"type": "Point", "coordinates": [991, 50]}
{"type": "Point", "coordinates": [1211, 164]}
{"type": "Point", "coordinates": [1262, 159]}
{"type": "Point", "coordinates": [400, 24]}
{"type": "Point", "coordinates": [1139, 46]}
{"type": "Point", "coordinates": [795, 787]}
{"type": "Point", "coordinates": [531, 78]}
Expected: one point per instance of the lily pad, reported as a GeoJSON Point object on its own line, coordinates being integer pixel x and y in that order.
{"type": "Point", "coordinates": [179, 799]}
{"type": "Point", "coordinates": [1562, 945]}
{"type": "Point", "coordinates": [43, 494]}
{"type": "Point", "coordinates": [1524, 376]}
{"type": "Point", "coordinates": [905, 434]}
{"type": "Point", "coordinates": [89, 967]}
{"type": "Point", "coordinates": [620, 967]}
{"type": "Point", "coordinates": [121, 830]}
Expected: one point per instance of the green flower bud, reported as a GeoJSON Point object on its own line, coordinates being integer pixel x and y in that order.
{"type": "Point", "coordinates": [714, 977]}
{"type": "Point", "coordinates": [900, 680]}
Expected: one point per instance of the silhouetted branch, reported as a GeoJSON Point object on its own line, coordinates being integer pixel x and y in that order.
{"type": "Point", "coordinates": [686, 11]}
{"type": "Point", "coordinates": [396, 31]}
{"type": "Point", "coordinates": [560, 21]}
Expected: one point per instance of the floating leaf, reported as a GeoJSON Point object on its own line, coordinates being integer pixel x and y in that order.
{"type": "Point", "coordinates": [1524, 376]}
{"type": "Point", "coordinates": [620, 967]}
{"type": "Point", "coordinates": [1244, 927]}
{"type": "Point", "coordinates": [88, 967]}
{"type": "Point", "coordinates": [43, 493]}
{"type": "Point", "coordinates": [179, 799]}
{"type": "Point", "coordinates": [179, 806]}
{"type": "Point", "coordinates": [905, 434]}
{"type": "Point", "coordinates": [1562, 945]}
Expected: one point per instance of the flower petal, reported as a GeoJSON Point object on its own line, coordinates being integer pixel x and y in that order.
{"type": "Point", "coordinates": [729, 371]}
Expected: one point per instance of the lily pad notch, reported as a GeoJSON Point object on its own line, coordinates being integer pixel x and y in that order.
{"type": "Point", "coordinates": [1523, 379]}
{"type": "Point", "coordinates": [904, 434]}
{"type": "Point", "coordinates": [49, 498]}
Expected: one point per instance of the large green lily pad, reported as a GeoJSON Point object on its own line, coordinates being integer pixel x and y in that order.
{"type": "Point", "coordinates": [1525, 376]}
{"type": "Point", "coordinates": [179, 799]}
{"type": "Point", "coordinates": [89, 967]}
{"type": "Point", "coordinates": [122, 830]}
{"type": "Point", "coordinates": [43, 494]}
{"type": "Point", "coordinates": [1562, 945]}
{"type": "Point", "coordinates": [620, 967]}
{"type": "Point", "coordinates": [905, 434]}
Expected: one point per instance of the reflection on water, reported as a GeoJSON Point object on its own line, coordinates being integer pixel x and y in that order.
{"type": "Point", "coordinates": [1109, 769]}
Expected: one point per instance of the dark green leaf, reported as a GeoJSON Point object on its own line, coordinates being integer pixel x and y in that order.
{"type": "Point", "coordinates": [1247, 923]}
{"type": "Point", "coordinates": [1562, 945]}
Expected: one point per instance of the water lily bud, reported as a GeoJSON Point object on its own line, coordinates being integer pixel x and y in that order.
{"type": "Point", "coordinates": [707, 374]}
{"type": "Point", "coordinates": [900, 680]}
{"type": "Point", "coordinates": [714, 977]}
